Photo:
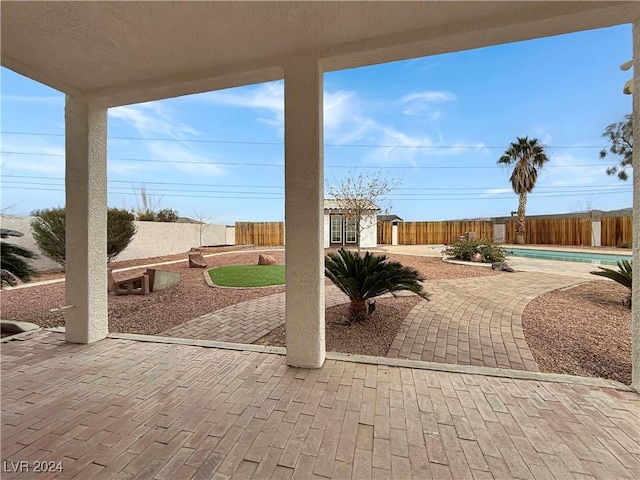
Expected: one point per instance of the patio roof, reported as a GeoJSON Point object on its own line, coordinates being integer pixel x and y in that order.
{"type": "Point", "coordinates": [128, 52]}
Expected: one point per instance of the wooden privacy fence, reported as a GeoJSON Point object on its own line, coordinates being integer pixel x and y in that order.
{"type": "Point", "coordinates": [385, 230]}
{"type": "Point", "coordinates": [424, 233]}
{"type": "Point", "coordinates": [553, 231]}
{"type": "Point", "coordinates": [264, 234]}
{"type": "Point", "coordinates": [616, 231]}
{"type": "Point", "coordinates": [549, 231]}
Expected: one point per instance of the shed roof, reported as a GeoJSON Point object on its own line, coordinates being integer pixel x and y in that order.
{"type": "Point", "coordinates": [338, 204]}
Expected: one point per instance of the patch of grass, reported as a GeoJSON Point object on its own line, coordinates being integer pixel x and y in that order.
{"type": "Point", "coordinates": [248, 275]}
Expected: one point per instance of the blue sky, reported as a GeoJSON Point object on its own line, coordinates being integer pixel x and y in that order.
{"type": "Point", "coordinates": [437, 125]}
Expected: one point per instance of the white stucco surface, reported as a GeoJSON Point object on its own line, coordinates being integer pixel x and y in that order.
{"type": "Point", "coordinates": [635, 312]}
{"type": "Point", "coordinates": [369, 230]}
{"type": "Point", "coordinates": [154, 49]}
{"type": "Point", "coordinates": [152, 239]}
{"type": "Point", "coordinates": [86, 221]}
{"type": "Point", "coordinates": [327, 230]}
{"type": "Point", "coordinates": [304, 194]}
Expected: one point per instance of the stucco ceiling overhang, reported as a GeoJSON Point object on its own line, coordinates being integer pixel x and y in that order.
{"type": "Point", "coordinates": [129, 52]}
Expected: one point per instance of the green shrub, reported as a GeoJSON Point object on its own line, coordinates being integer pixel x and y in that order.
{"type": "Point", "coordinates": [48, 228]}
{"type": "Point", "coordinates": [167, 215]}
{"type": "Point", "coordinates": [623, 276]}
{"type": "Point", "coordinates": [362, 278]}
{"type": "Point", "coordinates": [13, 257]}
{"type": "Point", "coordinates": [465, 250]}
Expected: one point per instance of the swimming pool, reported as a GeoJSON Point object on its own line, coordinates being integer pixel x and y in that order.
{"type": "Point", "coordinates": [563, 256]}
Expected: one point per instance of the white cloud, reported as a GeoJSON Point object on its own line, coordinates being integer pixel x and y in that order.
{"type": "Point", "coordinates": [341, 119]}
{"type": "Point", "coordinates": [422, 103]}
{"type": "Point", "coordinates": [152, 118]}
{"type": "Point", "coordinates": [574, 172]}
{"type": "Point", "coordinates": [346, 120]}
{"type": "Point", "coordinates": [46, 159]}
{"type": "Point", "coordinates": [497, 191]}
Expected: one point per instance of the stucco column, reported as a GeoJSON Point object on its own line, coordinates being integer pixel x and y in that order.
{"type": "Point", "coordinates": [635, 313]}
{"type": "Point", "coordinates": [304, 195]}
{"type": "Point", "coordinates": [86, 220]}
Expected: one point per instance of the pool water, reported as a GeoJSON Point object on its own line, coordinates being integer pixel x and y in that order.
{"type": "Point", "coordinates": [582, 257]}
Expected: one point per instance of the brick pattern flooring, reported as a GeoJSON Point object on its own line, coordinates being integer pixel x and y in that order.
{"type": "Point", "coordinates": [475, 321]}
{"type": "Point", "coordinates": [122, 409]}
{"type": "Point", "coordinates": [244, 322]}
{"type": "Point", "coordinates": [470, 321]}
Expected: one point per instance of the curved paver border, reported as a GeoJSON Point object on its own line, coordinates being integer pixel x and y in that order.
{"type": "Point", "coordinates": [475, 321]}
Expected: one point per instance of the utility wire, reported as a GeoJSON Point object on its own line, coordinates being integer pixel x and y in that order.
{"type": "Point", "coordinates": [553, 195]}
{"type": "Point", "coordinates": [280, 165]}
{"type": "Point", "coordinates": [136, 183]}
{"type": "Point", "coordinates": [249, 142]}
{"type": "Point", "coordinates": [426, 192]}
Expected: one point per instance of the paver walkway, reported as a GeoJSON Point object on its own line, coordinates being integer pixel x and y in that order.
{"type": "Point", "coordinates": [244, 322]}
{"type": "Point", "coordinates": [125, 409]}
{"type": "Point", "coordinates": [471, 321]}
{"type": "Point", "coordinates": [475, 321]}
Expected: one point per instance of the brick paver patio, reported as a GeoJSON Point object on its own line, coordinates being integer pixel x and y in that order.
{"type": "Point", "coordinates": [470, 321]}
{"type": "Point", "coordinates": [475, 321]}
{"type": "Point", "coordinates": [244, 322]}
{"type": "Point", "coordinates": [126, 409]}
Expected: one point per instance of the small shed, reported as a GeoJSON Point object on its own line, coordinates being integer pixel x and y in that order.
{"type": "Point", "coordinates": [340, 224]}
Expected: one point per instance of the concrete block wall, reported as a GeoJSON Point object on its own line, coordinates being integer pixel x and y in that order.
{"type": "Point", "coordinates": [152, 239]}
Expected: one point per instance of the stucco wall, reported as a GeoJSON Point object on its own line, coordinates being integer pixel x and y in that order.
{"type": "Point", "coordinates": [21, 224]}
{"type": "Point", "coordinates": [151, 240]}
{"type": "Point", "coordinates": [327, 233]}
{"type": "Point", "coordinates": [369, 233]}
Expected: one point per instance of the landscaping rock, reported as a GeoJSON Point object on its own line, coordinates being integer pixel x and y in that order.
{"type": "Point", "coordinates": [502, 267]}
{"type": "Point", "coordinates": [266, 260]}
{"type": "Point", "coordinates": [476, 258]}
{"type": "Point", "coordinates": [196, 260]}
{"type": "Point", "coordinates": [162, 279]}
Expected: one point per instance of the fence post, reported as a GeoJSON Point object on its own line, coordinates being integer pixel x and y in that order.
{"type": "Point", "coordinates": [596, 228]}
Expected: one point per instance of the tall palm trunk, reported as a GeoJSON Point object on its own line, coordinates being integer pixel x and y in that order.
{"type": "Point", "coordinates": [520, 231]}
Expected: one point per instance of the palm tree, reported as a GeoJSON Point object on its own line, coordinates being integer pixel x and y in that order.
{"type": "Point", "coordinates": [527, 157]}
{"type": "Point", "coordinates": [362, 278]}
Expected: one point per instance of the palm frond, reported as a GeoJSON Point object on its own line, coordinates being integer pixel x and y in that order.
{"type": "Point", "coordinates": [623, 276]}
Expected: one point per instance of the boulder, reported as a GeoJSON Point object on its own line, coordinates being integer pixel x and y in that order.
{"type": "Point", "coordinates": [9, 279]}
{"type": "Point", "coordinates": [266, 260]}
{"type": "Point", "coordinates": [502, 267]}
{"type": "Point", "coordinates": [476, 258]}
{"type": "Point", "coordinates": [196, 260]}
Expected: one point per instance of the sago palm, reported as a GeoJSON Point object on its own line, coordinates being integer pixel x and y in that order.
{"type": "Point", "coordinates": [14, 258]}
{"type": "Point", "coordinates": [624, 275]}
{"type": "Point", "coordinates": [527, 158]}
{"type": "Point", "coordinates": [362, 278]}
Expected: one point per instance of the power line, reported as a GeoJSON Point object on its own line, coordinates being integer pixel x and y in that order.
{"type": "Point", "coordinates": [553, 195]}
{"type": "Point", "coordinates": [425, 192]}
{"type": "Point", "coordinates": [241, 164]}
{"type": "Point", "coordinates": [348, 145]}
{"type": "Point", "coordinates": [136, 183]}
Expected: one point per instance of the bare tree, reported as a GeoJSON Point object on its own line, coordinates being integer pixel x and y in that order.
{"type": "Point", "coordinates": [361, 193]}
{"type": "Point", "coordinates": [203, 223]}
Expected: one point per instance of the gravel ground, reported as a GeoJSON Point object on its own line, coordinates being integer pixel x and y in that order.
{"type": "Point", "coordinates": [373, 336]}
{"type": "Point", "coordinates": [584, 330]}
{"type": "Point", "coordinates": [152, 314]}
{"type": "Point", "coordinates": [146, 314]}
